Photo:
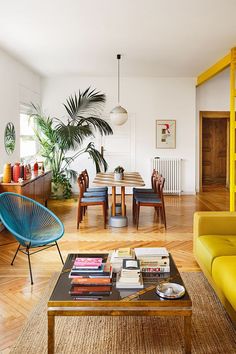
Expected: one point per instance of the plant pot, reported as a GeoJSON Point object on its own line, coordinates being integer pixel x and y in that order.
{"type": "Point", "coordinates": [118, 176]}
{"type": "Point", "coordinates": [57, 191]}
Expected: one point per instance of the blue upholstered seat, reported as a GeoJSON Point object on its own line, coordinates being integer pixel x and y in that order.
{"type": "Point", "coordinates": [95, 194]}
{"type": "Point", "coordinates": [97, 189]}
{"type": "Point", "coordinates": [146, 195]}
{"type": "Point", "coordinates": [93, 199]}
{"type": "Point", "coordinates": [150, 200]}
{"type": "Point", "coordinates": [143, 190]}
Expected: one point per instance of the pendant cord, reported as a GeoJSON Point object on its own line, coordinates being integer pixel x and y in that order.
{"type": "Point", "coordinates": [118, 80]}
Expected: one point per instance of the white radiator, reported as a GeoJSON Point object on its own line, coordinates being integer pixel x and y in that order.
{"type": "Point", "coordinates": [170, 168]}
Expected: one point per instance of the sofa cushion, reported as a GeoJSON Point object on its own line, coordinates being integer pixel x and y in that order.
{"type": "Point", "coordinates": [224, 276]}
{"type": "Point", "coordinates": [211, 246]}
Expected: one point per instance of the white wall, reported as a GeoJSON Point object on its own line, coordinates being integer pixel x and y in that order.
{"type": "Point", "coordinates": [213, 95]}
{"type": "Point", "coordinates": [18, 84]}
{"type": "Point", "coordinates": [146, 99]}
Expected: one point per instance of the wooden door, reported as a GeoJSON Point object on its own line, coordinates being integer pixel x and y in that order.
{"type": "Point", "coordinates": [214, 151]}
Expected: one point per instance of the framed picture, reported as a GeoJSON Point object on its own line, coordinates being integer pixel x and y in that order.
{"type": "Point", "coordinates": [165, 134]}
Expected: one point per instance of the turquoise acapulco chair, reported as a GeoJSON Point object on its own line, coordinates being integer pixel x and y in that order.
{"type": "Point", "coordinates": [32, 224]}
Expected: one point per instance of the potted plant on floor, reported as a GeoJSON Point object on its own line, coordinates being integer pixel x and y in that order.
{"type": "Point", "coordinates": [58, 138]}
{"type": "Point", "coordinates": [118, 173]}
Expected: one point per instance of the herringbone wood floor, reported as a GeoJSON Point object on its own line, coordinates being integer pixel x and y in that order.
{"type": "Point", "coordinates": [18, 297]}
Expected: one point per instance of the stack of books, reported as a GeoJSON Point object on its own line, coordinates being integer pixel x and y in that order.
{"type": "Point", "coordinates": [118, 256]}
{"type": "Point", "coordinates": [153, 260]}
{"type": "Point", "coordinates": [90, 277]}
{"type": "Point", "coordinates": [130, 276]}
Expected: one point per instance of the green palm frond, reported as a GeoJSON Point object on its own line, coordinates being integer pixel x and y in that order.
{"type": "Point", "coordinates": [71, 135]}
{"type": "Point", "coordinates": [97, 158]}
{"type": "Point", "coordinates": [97, 124]}
{"type": "Point", "coordinates": [89, 102]}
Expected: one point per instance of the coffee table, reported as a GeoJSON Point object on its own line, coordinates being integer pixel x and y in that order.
{"type": "Point", "coordinates": [140, 302]}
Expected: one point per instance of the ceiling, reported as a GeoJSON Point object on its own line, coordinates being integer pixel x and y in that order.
{"type": "Point", "coordinates": [155, 37]}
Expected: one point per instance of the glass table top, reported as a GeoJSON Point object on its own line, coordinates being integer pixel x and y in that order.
{"type": "Point", "coordinates": [62, 288]}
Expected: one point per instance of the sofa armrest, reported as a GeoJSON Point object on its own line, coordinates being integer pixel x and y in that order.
{"type": "Point", "coordinates": [214, 223]}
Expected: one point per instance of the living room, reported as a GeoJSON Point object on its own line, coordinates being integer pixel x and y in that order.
{"type": "Point", "coordinates": [175, 69]}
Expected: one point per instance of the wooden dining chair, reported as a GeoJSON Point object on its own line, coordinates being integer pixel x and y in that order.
{"type": "Point", "coordinates": [137, 191]}
{"type": "Point", "coordinates": [84, 202]}
{"type": "Point", "coordinates": [155, 200]}
{"type": "Point", "coordinates": [93, 192]}
{"type": "Point", "coordinates": [93, 189]}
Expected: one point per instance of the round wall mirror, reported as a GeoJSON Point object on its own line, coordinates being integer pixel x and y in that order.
{"type": "Point", "coordinates": [10, 138]}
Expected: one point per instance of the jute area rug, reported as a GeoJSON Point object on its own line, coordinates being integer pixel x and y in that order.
{"type": "Point", "coordinates": [212, 331]}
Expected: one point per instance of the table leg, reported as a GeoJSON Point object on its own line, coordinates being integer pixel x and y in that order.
{"type": "Point", "coordinates": [123, 201]}
{"type": "Point", "coordinates": [187, 334]}
{"type": "Point", "coordinates": [51, 332]}
{"type": "Point", "coordinates": [113, 211]}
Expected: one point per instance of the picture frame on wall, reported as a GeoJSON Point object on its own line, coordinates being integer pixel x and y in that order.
{"type": "Point", "coordinates": [166, 134]}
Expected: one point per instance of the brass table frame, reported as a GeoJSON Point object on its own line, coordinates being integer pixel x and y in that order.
{"type": "Point", "coordinates": [120, 308]}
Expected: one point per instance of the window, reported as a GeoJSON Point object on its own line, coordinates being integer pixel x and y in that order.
{"type": "Point", "coordinates": [28, 147]}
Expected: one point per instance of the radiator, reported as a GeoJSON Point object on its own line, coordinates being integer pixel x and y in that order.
{"type": "Point", "coordinates": [170, 168]}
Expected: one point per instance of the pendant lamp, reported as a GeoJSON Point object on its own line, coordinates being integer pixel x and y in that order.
{"type": "Point", "coordinates": [119, 114]}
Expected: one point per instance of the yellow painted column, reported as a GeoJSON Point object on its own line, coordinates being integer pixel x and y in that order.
{"type": "Point", "coordinates": [232, 130]}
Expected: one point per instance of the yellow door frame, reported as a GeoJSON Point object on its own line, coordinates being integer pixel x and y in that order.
{"type": "Point", "coordinates": [228, 61]}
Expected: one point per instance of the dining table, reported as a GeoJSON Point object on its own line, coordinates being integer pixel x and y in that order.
{"type": "Point", "coordinates": [130, 179]}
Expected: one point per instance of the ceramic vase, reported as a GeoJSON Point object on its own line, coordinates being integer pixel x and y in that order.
{"type": "Point", "coordinates": [22, 171]}
{"type": "Point", "coordinates": [118, 176]}
{"type": "Point", "coordinates": [7, 173]}
{"type": "Point", "coordinates": [16, 172]}
{"type": "Point", "coordinates": [36, 168]}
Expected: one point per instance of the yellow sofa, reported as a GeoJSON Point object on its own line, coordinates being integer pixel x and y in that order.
{"type": "Point", "coordinates": [214, 247]}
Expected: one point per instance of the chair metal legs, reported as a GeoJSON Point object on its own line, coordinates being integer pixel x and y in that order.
{"type": "Point", "coordinates": [15, 254]}
{"type": "Point", "coordinates": [31, 276]}
{"type": "Point", "coordinates": [26, 251]}
{"type": "Point", "coordinates": [59, 252]}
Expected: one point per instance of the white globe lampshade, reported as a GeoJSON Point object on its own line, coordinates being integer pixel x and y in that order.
{"type": "Point", "coordinates": [118, 115]}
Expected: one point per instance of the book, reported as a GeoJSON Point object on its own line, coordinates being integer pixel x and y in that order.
{"type": "Point", "coordinates": [87, 263]}
{"type": "Point", "coordinates": [153, 277]}
{"type": "Point", "coordinates": [131, 264]}
{"type": "Point", "coordinates": [90, 281]}
{"type": "Point", "coordinates": [89, 276]}
{"type": "Point", "coordinates": [124, 252]}
{"type": "Point", "coordinates": [165, 269]}
{"type": "Point", "coordinates": [155, 259]}
{"type": "Point", "coordinates": [151, 252]}
{"type": "Point", "coordinates": [118, 256]}
{"type": "Point", "coordinates": [90, 290]}
{"type": "Point", "coordinates": [85, 270]}
{"type": "Point", "coordinates": [133, 280]}
{"type": "Point", "coordinates": [104, 272]}
{"type": "Point", "coordinates": [120, 284]}
{"type": "Point", "coordinates": [155, 262]}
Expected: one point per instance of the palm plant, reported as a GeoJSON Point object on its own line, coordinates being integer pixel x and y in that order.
{"type": "Point", "coordinates": [57, 138]}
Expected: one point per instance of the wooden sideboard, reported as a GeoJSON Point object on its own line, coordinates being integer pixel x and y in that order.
{"type": "Point", "coordinates": [38, 187]}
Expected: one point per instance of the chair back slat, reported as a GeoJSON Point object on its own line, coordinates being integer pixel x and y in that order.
{"type": "Point", "coordinates": [82, 185]}
{"type": "Point", "coordinates": [86, 178]}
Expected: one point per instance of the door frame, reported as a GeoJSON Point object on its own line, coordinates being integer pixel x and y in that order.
{"type": "Point", "coordinates": [212, 115]}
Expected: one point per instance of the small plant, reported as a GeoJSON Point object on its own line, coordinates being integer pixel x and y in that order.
{"type": "Point", "coordinates": [119, 169]}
